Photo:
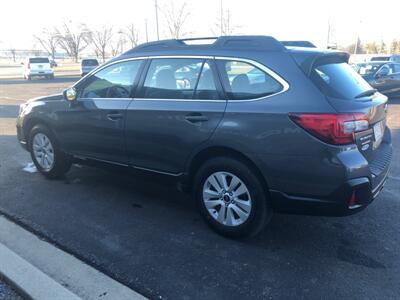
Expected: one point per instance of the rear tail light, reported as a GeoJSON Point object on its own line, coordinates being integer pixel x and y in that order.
{"type": "Point", "coordinates": [336, 129]}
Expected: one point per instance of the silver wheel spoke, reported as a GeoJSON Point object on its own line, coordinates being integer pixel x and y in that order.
{"type": "Point", "coordinates": [245, 205]}
{"type": "Point", "coordinates": [213, 181]}
{"type": "Point", "coordinates": [227, 199]}
{"type": "Point", "coordinates": [230, 217]}
{"type": "Point", "coordinates": [211, 204]}
{"type": "Point", "coordinates": [240, 190]}
{"type": "Point", "coordinates": [221, 214]}
{"type": "Point", "coordinates": [242, 215]}
{"type": "Point", "coordinates": [222, 180]}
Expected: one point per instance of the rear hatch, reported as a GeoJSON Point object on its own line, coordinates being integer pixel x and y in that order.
{"type": "Point", "coordinates": [39, 64]}
{"type": "Point", "coordinates": [349, 94]}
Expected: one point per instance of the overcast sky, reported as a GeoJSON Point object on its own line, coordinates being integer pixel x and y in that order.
{"type": "Point", "coordinates": [283, 19]}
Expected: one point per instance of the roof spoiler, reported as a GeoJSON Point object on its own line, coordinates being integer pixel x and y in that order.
{"type": "Point", "coordinates": [305, 44]}
{"type": "Point", "coordinates": [248, 42]}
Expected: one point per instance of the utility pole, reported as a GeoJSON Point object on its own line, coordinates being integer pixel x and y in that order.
{"type": "Point", "coordinates": [329, 33]}
{"type": "Point", "coordinates": [158, 33]}
{"type": "Point", "coordinates": [147, 33]}
{"type": "Point", "coordinates": [221, 18]}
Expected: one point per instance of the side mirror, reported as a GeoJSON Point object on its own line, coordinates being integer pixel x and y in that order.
{"type": "Point", "coordinates": [70, 94]}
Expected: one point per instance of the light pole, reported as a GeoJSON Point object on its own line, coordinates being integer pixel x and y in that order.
{"type": "Point", "coordinates": [221, 16]}
{"type": "Point", "coordinates": [156, 6]}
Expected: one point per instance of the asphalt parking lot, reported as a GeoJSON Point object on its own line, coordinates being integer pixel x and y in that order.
{"type": "Point", "coordinates": [149, 236]}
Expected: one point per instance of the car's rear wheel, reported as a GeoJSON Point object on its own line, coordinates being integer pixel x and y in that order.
{"type": "Point", "coordinates": [231, 197]}
{"type": "Point", "coordinates": [48, 158]}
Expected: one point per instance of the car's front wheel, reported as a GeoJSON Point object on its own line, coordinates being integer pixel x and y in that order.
{"type": "Point", "coordinates": [231, 197]}
{"type": "Point", "coordinates": [48, 158]}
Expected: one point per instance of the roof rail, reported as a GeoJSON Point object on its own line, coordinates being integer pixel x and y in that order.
{"type": "Point", "coordinates": [305, 44]}
{"type": "Point", "coordinates": [250, 42]}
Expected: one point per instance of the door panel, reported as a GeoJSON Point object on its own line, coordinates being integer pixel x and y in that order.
{"type": "Point", "coordinates": [95, 128]}
{"type": "Point", "coordinates": [94, 125]}
{"type": "Point", "coordinates": [161, 134]}
{"type": "Point", "coordinates": [178, 108]}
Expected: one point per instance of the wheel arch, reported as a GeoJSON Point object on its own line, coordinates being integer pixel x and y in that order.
{"type": "Point", "coordinates": [32, 122]}
{"type": "Point", "coordinates": [221, 151]}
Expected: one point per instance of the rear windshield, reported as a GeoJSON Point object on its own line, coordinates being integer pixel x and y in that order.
{"type": "Point", "coordinates": [89, 62]}
{"type": "Point", "coordinates": [380, 58]}
{"type": "Point", "coordinates": [39, 60]}
{"type": "Point", "coordinates": [339, 80]}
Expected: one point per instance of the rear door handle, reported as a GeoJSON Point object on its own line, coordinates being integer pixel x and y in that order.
{"type": "Point", "coordinates": [114, 116]}
{"type": "Point", "coordinates": [195, 118]}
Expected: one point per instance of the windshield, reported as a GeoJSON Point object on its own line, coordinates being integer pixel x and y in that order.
{"type": "Point", "coordinates": [367, 68]}
{"type": "Point", "coordinates": [339, 80]}
{"type": "Point", "coordinates": [39, 60]}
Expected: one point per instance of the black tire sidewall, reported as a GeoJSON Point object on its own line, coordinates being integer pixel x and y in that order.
{"type": "Point", "coordinates": [261, 210]}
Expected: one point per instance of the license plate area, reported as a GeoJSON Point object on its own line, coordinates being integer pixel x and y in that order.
{"type": "Point", "coordinates": [378, 133]}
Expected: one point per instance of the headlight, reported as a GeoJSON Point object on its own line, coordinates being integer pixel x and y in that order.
{"type": "Point", "coordinates": [22, 108]}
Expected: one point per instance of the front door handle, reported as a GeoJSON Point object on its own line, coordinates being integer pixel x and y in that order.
{"type": "Point", "coordinates": [195, 118]}
{"type": "Point", "coordinates": [114, 116]}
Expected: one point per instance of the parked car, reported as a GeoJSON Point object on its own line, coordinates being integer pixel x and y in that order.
{"type": "Point", "coordinates": [37, 67]}
{"type": "Point", "coordinates": [382, 75]}
{"type": "Point", "coordinates": [393, 58]}
{"type": "Point", "coordinates": [87, 65]}
{"type": "Point", "coordinates": [263, 128]}
{"type": "Point", "coordinates": [53, 63]}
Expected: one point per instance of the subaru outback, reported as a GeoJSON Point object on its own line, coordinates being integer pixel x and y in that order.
{"type": "Point", "coordinates": [246, 124]}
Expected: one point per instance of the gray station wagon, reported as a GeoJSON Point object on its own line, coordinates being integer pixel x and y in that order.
{"type": "Point", "coordinates": [245, 123]}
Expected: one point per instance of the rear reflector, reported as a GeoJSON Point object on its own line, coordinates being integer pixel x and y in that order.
{"type": "Point", "coordinates": [336, 129]}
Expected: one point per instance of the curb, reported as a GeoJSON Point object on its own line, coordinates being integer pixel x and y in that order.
{"type": "Point", "coordinates": [39, 270]}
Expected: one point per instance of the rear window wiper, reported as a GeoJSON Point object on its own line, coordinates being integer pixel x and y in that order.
{"type": "Point", "coordinates": [366, 93]}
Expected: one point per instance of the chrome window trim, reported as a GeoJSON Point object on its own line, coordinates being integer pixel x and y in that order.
{"type": "Point", "coordinates": [283, 82]}
{"type": "Point", "coordinates": [101, 99]}
{"type": "Point", "coordinates": [180, 100]}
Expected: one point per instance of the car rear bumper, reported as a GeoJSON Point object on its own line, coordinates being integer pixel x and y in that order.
{"type": "Point", "coordinates": [40, 73]}
{"type": "Point", "coordinates": [352, 196]}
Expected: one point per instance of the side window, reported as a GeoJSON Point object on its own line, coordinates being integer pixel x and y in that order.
{"type": "Point", "coordinates": [206, 88]}
{"type": "Point", "coordinates": [396, 68]}
{"type": "Point", "coordinates": [172, 78]}
{"type": "Point", "coordinates": [245, 81]}
{"type": "Point", "coordinates": [115, 81]}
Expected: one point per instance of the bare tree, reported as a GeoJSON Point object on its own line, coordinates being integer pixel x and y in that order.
{"type": "Point", "coordinates": [176, 19]}
{"type": "Point", "coordinates": [74, 40]}
{"type": "Point", "coordinates": [224, 24]}
{"type": "Point", "coordinates": [132, 34]}
{"type": "Point", "coordinates": [48, 39]}
{"type": "Point", "coordinates": [117, 46]}
{"type": "Point", "coordinates": [371, 48]}
{"type": "Point", "coordinates": [13, 53]}
{"type": "Point", "coordinates": [101, 40]}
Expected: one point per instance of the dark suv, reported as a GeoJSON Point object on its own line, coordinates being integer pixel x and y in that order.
{"type": "Point", "coordinates": [248, 125]}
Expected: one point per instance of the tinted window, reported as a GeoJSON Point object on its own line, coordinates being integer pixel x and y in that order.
{"type": "Point", "coordinates": [90, 62]}
{"type": "Point", "coordinates": [172, 78]}
{"type": "Point", "coordinates": [245, 81]}
{"type": "Point", "coordinates": [339, 80]}
{"type": "Point", "coordinates": [39, 60]}
{"type": "Point", "coordinates": [380, 58]}
{"type": "Point", "coordinates": [396, 68]}
{"type": "Point", "coordinates": [206, 88]}
{"type": "Point", "coordinates": [115, 81]}
{"type": "Point", "coordinates": [367, 68]}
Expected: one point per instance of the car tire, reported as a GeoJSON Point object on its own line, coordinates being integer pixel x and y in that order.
{"type": "Point", "coordinates": [46, 154]}
{"type": "Point", "coordinates": [29, 77]}
{"type": "Point", "coordinates": [51, 77]}
{"type": "Point", "coordinates": [241, 208]}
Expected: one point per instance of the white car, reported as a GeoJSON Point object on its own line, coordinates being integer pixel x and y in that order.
{"type": "Point", "coordinates": [87, 65]}
{"type": "Point", "coordinates": [37, 66]}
